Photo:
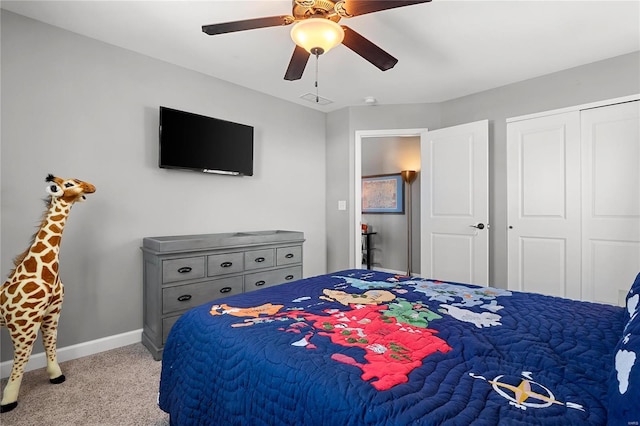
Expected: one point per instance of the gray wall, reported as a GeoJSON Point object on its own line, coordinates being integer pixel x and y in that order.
{"type": "Point", "coordinates": [339, 183]}
{"type": "Point", "coordinates": [76, 107]}
{"type": "Point", "coordinates": [615, 77]}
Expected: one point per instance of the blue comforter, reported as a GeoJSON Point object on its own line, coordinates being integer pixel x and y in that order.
{"type": "Point", "coordinates": [367, 348]}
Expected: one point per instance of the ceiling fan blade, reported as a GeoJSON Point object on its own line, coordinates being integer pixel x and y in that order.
{"type": "Point", "coordinates": [368, 50]}
{"type": "Point", "coordinates": [360, 7]}
{"type": "Point", "coordinates": [297, 64]}
{"type": "Point", "coordinates": [247, 24]}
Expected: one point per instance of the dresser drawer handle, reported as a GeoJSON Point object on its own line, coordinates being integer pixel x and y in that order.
{"type": "Point", "coordinates": [288, 277]}
{"type": "Point", "coordinates": [226, 264]}
{"type": "Point", "coordinates": [184, 298]}
{"type": "Point", "coordinates": [225, 289]}
{"type": "Point", "coordinates": [259, 283]}
{"type": "Point", "coordinates": [289, 256]}
{"type": "Point", "coordinates": [260, 259]}
{"type": "Point", "coordinates": [184, 269]}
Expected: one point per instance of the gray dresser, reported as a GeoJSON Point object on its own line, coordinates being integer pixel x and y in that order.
{"type": "Point", "coordinates": [184, 271]}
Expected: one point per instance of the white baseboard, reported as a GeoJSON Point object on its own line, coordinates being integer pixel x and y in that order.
{"type": "Point", "coordinates": [80, 350]}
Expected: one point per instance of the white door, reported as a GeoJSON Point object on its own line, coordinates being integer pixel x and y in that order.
{"type": "Point", "coordinates": [543, 202]}
{"type": "Point", "coordinates": [455, 204]}
{"type": "Point", "coordinates": [610, 201]}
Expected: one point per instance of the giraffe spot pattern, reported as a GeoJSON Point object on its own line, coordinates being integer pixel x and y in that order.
{"type": "Point", "coordinates": [30, 287]}
{"type": "Point", "coordinates": [55, 311]}
{"type": "Point", "coordinates": [49, 256]}
{"type": "Point", "coordinates": [57, 298]}
{"type": "Point", "coordinates": [33, 304]}
{"type": "Point", "coordinates": [48, 275]}
{"type": "Point", "coordinates": [30, 264]}
{"type": "Point", "coordinates": [17, 298]}
{"type": "Point", "coordinates": [29, 330]}
{"type": "Point", "coordinates": [39, 247]}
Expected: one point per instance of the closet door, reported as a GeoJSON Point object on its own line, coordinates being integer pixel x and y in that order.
{"type": "Point", "coordinates": [610, 201]}
{"type": "Point", "coordinates": [543, 202]}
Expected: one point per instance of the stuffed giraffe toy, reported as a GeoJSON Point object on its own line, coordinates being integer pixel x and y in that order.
{"type": "Point", "coordinates": [31, 298]}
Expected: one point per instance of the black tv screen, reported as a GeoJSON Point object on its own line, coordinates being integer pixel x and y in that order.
{"type": "Point", "coordinates": [196, 142]}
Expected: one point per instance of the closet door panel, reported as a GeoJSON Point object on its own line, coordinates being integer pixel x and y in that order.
{"type": "Point", "coordinates": [610, 200]}
{"type": "Point", "coordinates": [543, 190]}
{"type": "Point", "coordinates": [543, 265]}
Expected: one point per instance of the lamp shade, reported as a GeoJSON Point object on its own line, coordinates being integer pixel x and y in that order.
{"type": "Point", "coordinates": [317, 35]}
{"type": "Point", "coordinates": [408, 175]}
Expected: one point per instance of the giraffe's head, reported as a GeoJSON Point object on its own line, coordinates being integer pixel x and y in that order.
{"type": "Point", "coordinates": [69, 190]}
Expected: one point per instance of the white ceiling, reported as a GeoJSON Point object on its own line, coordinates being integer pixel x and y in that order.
{"type": "Point", "coordinates": [445, 48]}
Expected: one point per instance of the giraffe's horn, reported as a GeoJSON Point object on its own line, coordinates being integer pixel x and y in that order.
{"type": "Point", "coordinates": [50, 178]}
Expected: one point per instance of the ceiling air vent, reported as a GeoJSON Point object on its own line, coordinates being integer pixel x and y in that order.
{"type": "Point", "coordinates": [318, 100]}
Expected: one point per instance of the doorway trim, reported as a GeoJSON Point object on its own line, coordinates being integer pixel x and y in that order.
{"type": "Point", "coordinates": [360, 135]}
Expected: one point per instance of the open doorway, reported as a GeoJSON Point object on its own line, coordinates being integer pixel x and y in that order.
{"type": "Point", "coordinates": [389, 152]}
{"type": "Point", "coordinates": [454, 201]}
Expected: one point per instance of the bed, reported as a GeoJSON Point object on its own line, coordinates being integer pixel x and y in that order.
{"type": "Point", "coordinates": [360, 347]}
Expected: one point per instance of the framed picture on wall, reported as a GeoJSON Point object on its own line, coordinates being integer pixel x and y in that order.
{"type": "Point", "coordinates": [383, 194]}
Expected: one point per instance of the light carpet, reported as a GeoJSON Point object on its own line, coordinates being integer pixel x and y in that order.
{"type": "Point", "coordinates": [113, 388]}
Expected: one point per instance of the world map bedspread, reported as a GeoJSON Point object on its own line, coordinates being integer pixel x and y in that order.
{"type": "Point", "coordinates": [369, 348]}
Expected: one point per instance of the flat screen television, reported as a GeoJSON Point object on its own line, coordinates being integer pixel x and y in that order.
{"type": "Point", "coordinates": [206, 144]}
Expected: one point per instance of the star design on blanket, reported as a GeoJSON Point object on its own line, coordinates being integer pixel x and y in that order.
{"type": "Point", "coordinates": [527, 393]}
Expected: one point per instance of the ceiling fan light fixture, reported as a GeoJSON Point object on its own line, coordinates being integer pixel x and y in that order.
{"type": "Point", "coordinates": [317, 35]}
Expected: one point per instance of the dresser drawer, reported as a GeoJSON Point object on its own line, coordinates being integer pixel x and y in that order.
{"type": "Point", "coordinates": [259, 280]}
{"type": "Point", "coordinates": [187, 296]}
{"type": "Point", "coordinates": [257, 259]}
{"type": "Point", "coordinates": [288, 255]}
{"type": "Point", "coordinates": [167, 323]}
{"type": "Point", "coordinates": [187, 268]}
{"type": "Point", "coordinates": [227, 263]}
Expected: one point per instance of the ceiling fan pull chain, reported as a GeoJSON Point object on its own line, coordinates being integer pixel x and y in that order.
{"type": "Point", "coordinates": [317, 96]}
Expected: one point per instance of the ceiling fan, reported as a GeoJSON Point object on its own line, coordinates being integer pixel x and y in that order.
{"type": "Point", "coordinates": [320, 18]}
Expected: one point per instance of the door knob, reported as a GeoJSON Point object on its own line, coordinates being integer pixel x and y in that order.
{"type": "Point", "coordinates": [478, 226]}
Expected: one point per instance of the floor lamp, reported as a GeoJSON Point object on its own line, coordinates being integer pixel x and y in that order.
{"type": "Point", "coordinates": [409, 176]}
